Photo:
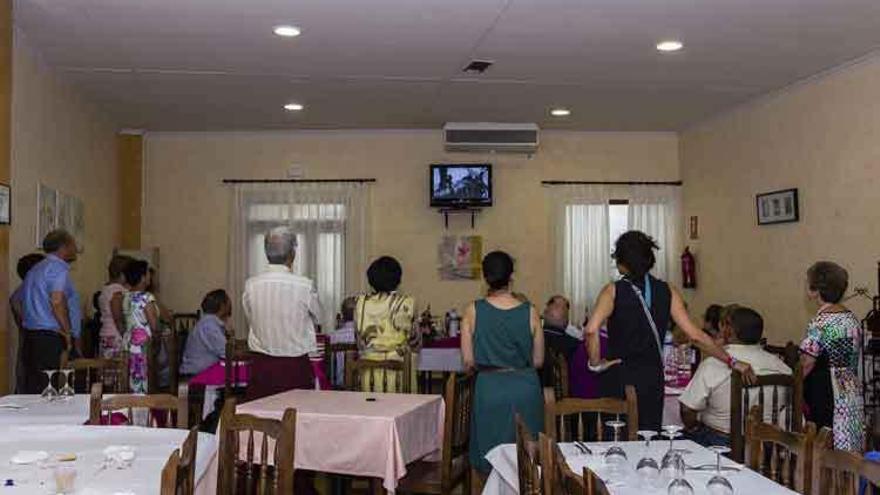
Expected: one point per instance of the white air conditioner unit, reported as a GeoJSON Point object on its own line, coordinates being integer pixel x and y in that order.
{"type": "Point", "coordinates": [490, 136]}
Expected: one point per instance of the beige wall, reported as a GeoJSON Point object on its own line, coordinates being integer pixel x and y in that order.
{"type": "Point", "coordinates": [821, 137]}
{"type": "Point", "coordinates": [186, 207]}
{"type": "Point", "coordinates": [68, 144]}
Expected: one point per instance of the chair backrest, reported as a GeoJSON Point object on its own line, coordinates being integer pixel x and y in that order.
{"type": "Point", "coordinates": [169, 474]}
{"type": "Point", "coordinates": [243, 473]}
{"type": "Point", "coordinates": [236, 354]}
{"type": "Point", "coordinates": [560, 375]}
{"type": "Point", "coordinates": [557, 477]}
{"type": "Point", "coordinates": [568, 419]}
{"type": "Point", "coordinates": [113, 373]}
{"type": "Point", "coordinates": [789, 353]}
{"type": "Point", "coordinates": [158, 409]}
{"type": "Point", "coordinates": [838, 471]}
{"type": "Point", "coordinates": [782, 393]}
{"type": "Point", "coordinates": [459, 398]}
{"type": "Point", "coordinates": [593, 485]}
{"type": "Point", "coordinates": [332, 355]}
{"type": "Point", "coordinates": [373, 376]}
{"type": "Point", "coordinates": [175, 342]}
{"type": "Point", "coordinates": [527, 455]}
{"type": "Point", "coordinates": [783, 456]}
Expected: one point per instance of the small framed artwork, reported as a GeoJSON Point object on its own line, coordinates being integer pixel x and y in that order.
{"type": "Point", "coordinates": [777, 207]}
{"type": "Point", "coordinates": [5, 205]}
{"type": "Point", "coordinates": [694, 228]}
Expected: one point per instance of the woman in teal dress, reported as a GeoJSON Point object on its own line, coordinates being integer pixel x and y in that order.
{"type": "Point", "coordinates": [502, 340]}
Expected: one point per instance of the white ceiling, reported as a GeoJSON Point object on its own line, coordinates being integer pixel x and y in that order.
{"type": "Point", "coordinates": [215, 64]}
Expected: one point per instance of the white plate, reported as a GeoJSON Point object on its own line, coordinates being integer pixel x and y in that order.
{"type": "Point", "coordinates": [29, 456]}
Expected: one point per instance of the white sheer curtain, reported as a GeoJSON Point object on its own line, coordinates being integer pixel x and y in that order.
{"type": "Point", "coordinates": [581, 232]}
{"type": "Point", "coordinates": [655, 210]}
{"type": "Point", "coordinates": [331, 222]}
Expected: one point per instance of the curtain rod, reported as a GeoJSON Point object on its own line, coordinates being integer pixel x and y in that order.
{"type": "Point", "coordinates": [296, 181]}
{"type": "Point", "coordinates": [609, 183]}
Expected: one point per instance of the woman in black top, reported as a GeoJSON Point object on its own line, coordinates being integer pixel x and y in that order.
{"type": "Point", "coordinates": [639, 309]}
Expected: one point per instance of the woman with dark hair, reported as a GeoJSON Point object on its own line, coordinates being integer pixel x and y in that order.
{"type": "Point", "coordinates": [639, 309]}
{"type": "Point", "coordinates": [384, 319]}
{"type": "Point", "coordinates": [141, 320]}
{"type": "Point", "coordinates": [110, 307]}
{"type": "Point", "coordinates": [502, 339]}
{"type": "Point", "coordinates": [830, 359]}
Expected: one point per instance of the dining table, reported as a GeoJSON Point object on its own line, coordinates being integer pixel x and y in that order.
{"type": "Point", "coordinates": [35, 410]}
{"type": "Point", "coordinates": [362, 434]}
{"type": "Point", "coordinates": [84, 449]}
{"type": "Point", "coordinates": [701, 461]}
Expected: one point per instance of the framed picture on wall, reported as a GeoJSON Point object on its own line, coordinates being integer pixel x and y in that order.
{"type": "Point", "coordinates": [777, 207]}
{"type": "Point", "coordinates": [5, 205]}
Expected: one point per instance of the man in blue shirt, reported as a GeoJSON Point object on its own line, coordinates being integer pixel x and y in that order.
{"type": "Point", "coordinates": [206, 344]}
{"type": "Point", "coordinates": [51, 310]}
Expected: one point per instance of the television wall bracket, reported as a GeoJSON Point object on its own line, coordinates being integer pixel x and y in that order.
{"type": "Point", "coordinates": [473, 212]}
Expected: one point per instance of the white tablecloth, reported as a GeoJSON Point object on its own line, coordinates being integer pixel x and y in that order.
{"type": "Point", "coordinates": [152, 448]}
{"type": "Point", "coordinates": [37, 411]}
{"type": "Point", "coordinates": [440, 359]}
{"type": "Point", "coordinates": [503, 479]}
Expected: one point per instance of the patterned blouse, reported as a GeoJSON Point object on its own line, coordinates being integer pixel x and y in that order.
{"type": "Point", "coordinates": [384, 325]}
{"type": "Point", "coordinates": [833, 340]}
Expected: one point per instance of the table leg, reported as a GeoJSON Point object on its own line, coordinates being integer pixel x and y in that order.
{"type": "Point", "coordinates": [376, 487]}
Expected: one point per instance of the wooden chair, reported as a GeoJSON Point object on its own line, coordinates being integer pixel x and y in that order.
{"type": "Point", "coordinates": [264, 475]}
{"type": "Point", "coordinates": [527, 459]}
{"type": "Point", "coordinates": [113, 373]}
{"type": "Point", "coordinates": [593, 485]}
{"type": "Point", "coordinates": [332, 362]}
{"type": "Point", "coordinates": [453, 469]}
{"type": "Point", "coordinates": [560, 375]}
{"type": "Point", "coordinates": [557, 477]}
{"type": "Point", "coordinates": [789, 406]}
{"type": "Point", "coordinates": [789, 353]}
{"type": "Point", "coordinates": [169, 474]}
{"type": "Point", "coordinates": [564, 420]}
{"type": "Point", "coordinates": [173, 409]}
{"type": "Point", "coordinates": [783, 456]}
{"type": "Point", "coordinates": [361, 374]}
{"type": "Point", "coordinates": [237, 354]}
{"type": "Point", "coordinates": [838, 471]}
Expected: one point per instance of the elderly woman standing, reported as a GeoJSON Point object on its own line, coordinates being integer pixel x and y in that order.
{"type": "Point", "coordinates": [384, 320]}
{"type": "Point", "coordinates": [830, 359]}
{"type": "Point", "coordinates": [110, 306]}
{"type": "Point", "coordinates": [141, 322]}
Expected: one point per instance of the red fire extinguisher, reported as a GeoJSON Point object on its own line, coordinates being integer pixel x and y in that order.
{"type": "Point", "coordinates": [688, 269]}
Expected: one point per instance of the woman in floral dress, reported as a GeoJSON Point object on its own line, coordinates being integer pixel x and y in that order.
{"type": "Point", "coordinates": [384, 321]}
{"type": "Point", "coordinates": [830, 360]}
{"type": "Point", "coordinates": [141, 319]}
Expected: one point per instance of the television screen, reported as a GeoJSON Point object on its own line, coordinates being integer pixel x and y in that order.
{"type": "Point", "coordinates": [462, 185]}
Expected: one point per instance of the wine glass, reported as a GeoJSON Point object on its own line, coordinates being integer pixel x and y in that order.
{"type": "Point", "coordinates": [679, 485]}
{"type": "Point", "coordinates": [719, 485]}
{"type": "Point", "coordinates": [647, 468]}
{"type": "Point", "coordinates": [49, 393]}
{"type": "Point", "coordinates": [667, 466]}
{"type": "Point", "coordinates": [67, 391]}
{"type": "Point", "coordinates": [615, 456]}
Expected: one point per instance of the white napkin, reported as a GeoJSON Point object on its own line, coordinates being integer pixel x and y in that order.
{"type": "Point", "coordinates": [119, 456]}
{"type": "Point", "coordinates": [29, 456]}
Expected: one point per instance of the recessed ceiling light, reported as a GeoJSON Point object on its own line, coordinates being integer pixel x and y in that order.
{"type": "Point", "coordinates": [293, 107]}
{"type": "Point", "coordinates": [670, 46]}
{"type": "Point", "coordinates": [287, 31]}
{"type": "Point", "coordinates": [560, 112]}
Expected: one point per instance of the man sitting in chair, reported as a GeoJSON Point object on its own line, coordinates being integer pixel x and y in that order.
{"type": "Point", "coordinates": [705, 403]}
{"type": "Point", "coordinates": [206, 344]}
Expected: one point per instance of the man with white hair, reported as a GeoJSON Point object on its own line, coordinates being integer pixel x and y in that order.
{"type": "Point", "coordinates": [282, 310]}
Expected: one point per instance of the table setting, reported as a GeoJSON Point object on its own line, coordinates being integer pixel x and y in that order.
{"type": "Point", "coordinates": [95, 460]}
{"type": "Point", "coordinates": [655, 465]}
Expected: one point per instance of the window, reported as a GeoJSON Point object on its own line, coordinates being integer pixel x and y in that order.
{"type": "Point", "coordinates": [618, 224]}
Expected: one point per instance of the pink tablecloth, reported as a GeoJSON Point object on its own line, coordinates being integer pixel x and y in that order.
{"type": "Point", "coordinates": [215, 375]}
{"type": "Point", "coordinates": [343, 433]}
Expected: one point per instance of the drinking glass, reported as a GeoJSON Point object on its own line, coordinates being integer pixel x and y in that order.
{"type": "Point", "coordinates": [679, 485]}
{"type": "Point", "coordinates": [719, 485]}
{"type": "Point", "coordinates": [67, 390]}
{"type": "Point", "coordinates": [647, 468]}
{"type": "Point", "coordinates": [49, 393]}
{"type": "Point", "coordinates": [671, 432]}
{"type": "Point", "coordinates": [615, 456]}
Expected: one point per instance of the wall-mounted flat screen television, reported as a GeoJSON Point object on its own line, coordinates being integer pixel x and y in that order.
{"type": "Point", "coordinates": [461, 185]}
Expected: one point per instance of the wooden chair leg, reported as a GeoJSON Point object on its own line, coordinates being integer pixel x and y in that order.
{"type": "Point", "coordinates": [376, 487]}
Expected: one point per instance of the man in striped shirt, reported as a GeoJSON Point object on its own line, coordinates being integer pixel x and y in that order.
{"type": "Point", "coordinates": [282, 310]}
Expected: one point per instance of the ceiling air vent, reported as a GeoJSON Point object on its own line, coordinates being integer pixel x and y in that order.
{"type": "Point", "coordinates": [477, 66]}
{"type": "Point", "coordinates": [490, 136]}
